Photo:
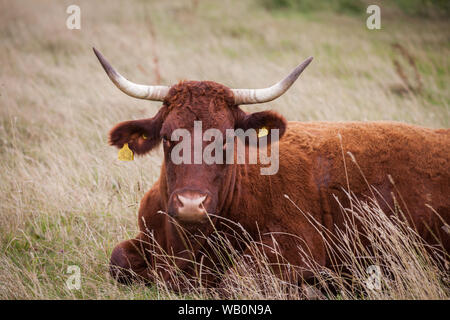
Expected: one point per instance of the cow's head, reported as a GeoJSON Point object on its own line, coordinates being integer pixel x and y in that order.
{"type": "Point", "coordinates": [191, 190]}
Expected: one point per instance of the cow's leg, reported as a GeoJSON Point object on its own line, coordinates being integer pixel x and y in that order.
{"type": "Point", "coordinates": [130, 261]}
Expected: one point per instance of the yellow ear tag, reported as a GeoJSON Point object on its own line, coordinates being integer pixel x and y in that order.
{"type": "Point", "coordinates": [144, 136]}
{"type": "Point", "coordinates": [125, 154]}
{"type": "Point", "coordinates": [263, 132]}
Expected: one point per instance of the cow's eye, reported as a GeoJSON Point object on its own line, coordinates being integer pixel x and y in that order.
{"type": "Point", "coordinates": [166, 141]}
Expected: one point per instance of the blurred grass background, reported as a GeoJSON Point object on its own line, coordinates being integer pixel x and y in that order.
{"type": "Point", "coordinates": [65, 199]}
{"type": "Point", "coordinates": [418, 8]}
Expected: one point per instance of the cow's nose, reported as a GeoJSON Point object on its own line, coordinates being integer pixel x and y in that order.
{"type": "Point", "coordinates": [191, 205]}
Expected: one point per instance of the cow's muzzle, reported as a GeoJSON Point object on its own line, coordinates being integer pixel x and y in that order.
{"type": "Point", "coordinates": [190, 206]}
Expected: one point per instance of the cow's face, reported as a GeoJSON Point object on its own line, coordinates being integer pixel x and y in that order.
{"type": "Point", "coordinates": [197, 187]}
{"type": "Point", "coordinates": [193, 189]}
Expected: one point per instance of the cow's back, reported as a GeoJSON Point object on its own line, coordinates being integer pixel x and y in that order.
{"type": "Point", "coordinates": [405, 162]}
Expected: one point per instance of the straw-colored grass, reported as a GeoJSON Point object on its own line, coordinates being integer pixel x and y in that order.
{"type": "Point", "coordinates": [65, 199]}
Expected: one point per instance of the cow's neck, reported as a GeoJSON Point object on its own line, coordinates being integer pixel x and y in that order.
{"type": "Point", "coordinates": [230, 193]}
{"type": "Point", "coordinates": [251, 192]}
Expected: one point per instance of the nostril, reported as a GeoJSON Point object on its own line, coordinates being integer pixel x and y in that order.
{"type": "Point", "coordinates": [204, 203]}
{"type": "Point", "coordinates": [178, 201]}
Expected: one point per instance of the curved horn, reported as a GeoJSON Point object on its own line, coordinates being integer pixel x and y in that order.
{"type": "Point", "coordinates": [249, 96]}
{"type": "Point", "coordinates": [156, 93]}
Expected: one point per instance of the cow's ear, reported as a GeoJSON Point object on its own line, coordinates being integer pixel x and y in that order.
{"type": "Point", "coordinates": [141, 135]}
{"type": "Point", "coordinates": [263, 122]}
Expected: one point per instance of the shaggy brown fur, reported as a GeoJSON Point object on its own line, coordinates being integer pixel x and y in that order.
{"type": "Point", "coordinates": [312, 171]}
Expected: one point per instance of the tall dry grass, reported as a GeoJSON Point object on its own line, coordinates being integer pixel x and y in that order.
{"type": "Point", "coordinates": [66, 200]}
{"type": "Point", "coordinates": [406, 266]}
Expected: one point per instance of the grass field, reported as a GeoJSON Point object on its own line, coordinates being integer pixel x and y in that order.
{"type": "Point", "coordinates": [65, 199]}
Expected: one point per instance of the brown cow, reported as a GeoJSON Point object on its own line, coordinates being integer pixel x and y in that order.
{"type": "Point", "coordinates": [311, 171]}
